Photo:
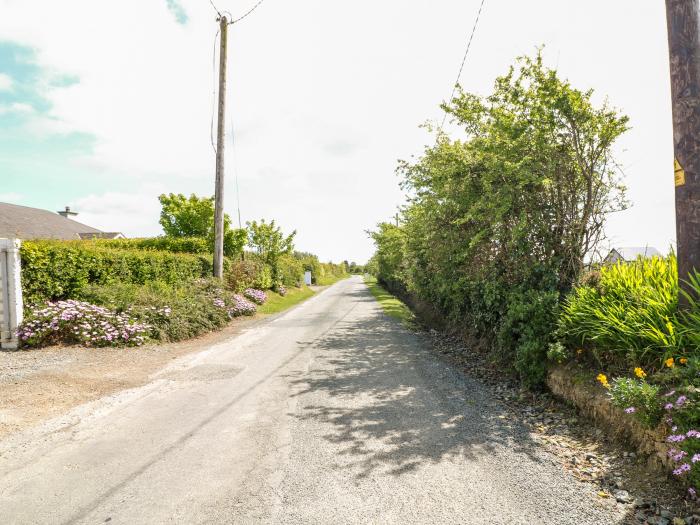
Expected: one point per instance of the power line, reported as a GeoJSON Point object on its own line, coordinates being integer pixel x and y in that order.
{"type": "Point", "coordinates": [247, 13]}
{"type": "Point", "coordinates": [464, 60]}
{"type": "Point", "coordinates": [215, 9]}
{"type": "Point", "coordinates": [213, 91]}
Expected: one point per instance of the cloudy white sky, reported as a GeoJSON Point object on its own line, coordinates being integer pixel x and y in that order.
{"type": "Point", "coordinates": [105, 104]}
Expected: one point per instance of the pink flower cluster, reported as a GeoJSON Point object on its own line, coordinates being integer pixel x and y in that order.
{"type": "Point", "coordinates": [81, 323]}
{"type": "Point", "coordinates": [257, 296]}
{"type": "Point", "coordinates": [241, 306]}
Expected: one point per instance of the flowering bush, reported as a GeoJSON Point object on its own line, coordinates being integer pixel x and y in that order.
{"type": "Point", "coordinates": [683, 418]}
{"type": "Point", "coordinates": [77, 322]}
{"type": "Point", "coordinates": [281, 290]}
{"type": "Point", "coordinates": [678, 409]}
{"type": "Point", "coordinates": [638, 397]}
{"type": "Point", "coordinates": [257, 296]}
{"type": "Point", "coordinates": [241, 306]}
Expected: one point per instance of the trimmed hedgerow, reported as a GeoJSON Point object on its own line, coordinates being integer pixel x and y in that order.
{"type": "Point", "coordinates": [55, 270]}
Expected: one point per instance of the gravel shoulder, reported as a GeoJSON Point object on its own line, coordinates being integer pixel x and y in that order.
{"type": "Point", "coordinates": [43, 383]}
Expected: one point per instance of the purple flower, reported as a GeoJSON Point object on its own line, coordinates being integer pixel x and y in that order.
{"type": "Point", "coordinates": [695, 458]}
{"type": "Point", "coordinates": [679, 456]}
{"type": "Point", "coordinates": [669, 406]}
{"type": "Point", "coordinates": [681, 401]}
{"type": "Point", "coordinates": [257, 296]}
{"type": "Point", "coordinates": [685, 467]}
{"type": "Point", "coordinates": [630, 410]}
{"type": "Point", "coordinates": [693, 493]}
{"type": "Point", "coordinates": [675, 438]}
{"type": "Point", "coordinates": [692, 434]}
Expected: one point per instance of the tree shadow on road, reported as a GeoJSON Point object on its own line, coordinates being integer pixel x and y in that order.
{"type": "Point", "coordinates": [394, 405]}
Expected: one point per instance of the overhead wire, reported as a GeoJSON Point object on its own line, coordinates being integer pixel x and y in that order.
{"type": "Point", "coordinates": [464, 60]}
{"type": "Point", "coordinates": [249, 12]}
{"type": "Point", "coordinates": [213, 104]}
{"type": "Point", "coordinates": [215, 8]}
{"type": "Point", "coordinates": [213, 91]}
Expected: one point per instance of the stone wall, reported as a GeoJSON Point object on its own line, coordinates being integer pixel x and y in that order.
{"type": "Point", "coordinates": [579, 389]}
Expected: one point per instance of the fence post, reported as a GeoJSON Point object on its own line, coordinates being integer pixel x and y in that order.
{"type": "Point", "coordinates": [11, 307]}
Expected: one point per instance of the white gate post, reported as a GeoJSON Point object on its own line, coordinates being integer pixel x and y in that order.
{"type": "Point", "coordinates": [11, 307]}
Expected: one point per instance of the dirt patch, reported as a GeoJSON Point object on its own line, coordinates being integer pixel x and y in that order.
{"type": "Point", "coordinates": [43, 383]}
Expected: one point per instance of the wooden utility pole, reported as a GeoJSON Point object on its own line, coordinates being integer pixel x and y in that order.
{"type": "Point", "coordinates": [219, 190]}
{"type": "Point", "coordinates": [683, 20]}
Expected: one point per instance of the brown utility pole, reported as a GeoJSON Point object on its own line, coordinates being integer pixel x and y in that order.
{"type": "Point", "coordinates": [219, 190]}
{"type": "Point", "coordinates": [683, 20]}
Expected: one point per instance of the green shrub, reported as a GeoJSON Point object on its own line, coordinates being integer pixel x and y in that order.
{"type": "Point", "coordinates": [290, 271]}
{"type": "Point", "coordinates": [249, 273]}
{"type": "Point", "coordinates": [629, 316]}
{"type": "Point", "coordinates": [557, 353]}
{"type": "Point", "coordinates": [638, 397]}
{"type": "Point", "coordinates": [54, 270]}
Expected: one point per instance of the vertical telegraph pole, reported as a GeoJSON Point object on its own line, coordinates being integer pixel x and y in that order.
{"type": "Point", "coordinates": [219, 190]}
{"type": "Point", "coordinates": [683, 20]}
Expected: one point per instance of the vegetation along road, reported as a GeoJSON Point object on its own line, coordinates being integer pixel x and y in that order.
{"type": "Point", "coordinates": [330, 413]}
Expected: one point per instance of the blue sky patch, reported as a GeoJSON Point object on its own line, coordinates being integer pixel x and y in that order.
{"type": "Point", "coordinates": [178, 11]}
{"type": "Point", "coordinates": [40, 167]}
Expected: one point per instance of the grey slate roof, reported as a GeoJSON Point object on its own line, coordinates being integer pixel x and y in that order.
{"type": "Point", "coordinates": [631, 253]}
{"type": "Point", "coordinates": [23, 222]}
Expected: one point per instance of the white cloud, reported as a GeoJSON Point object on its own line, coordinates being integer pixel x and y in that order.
{"type": "Point", "coordinates": [5, 82]}
{"type": "Point", "coordinates": [129, 213]}
{"type": "Point", "coordinates": [14, 198]}
{"type": "Point", "coordinates": [16, 107]}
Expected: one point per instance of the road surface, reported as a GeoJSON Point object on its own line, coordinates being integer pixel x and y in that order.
{"type": "Point", "coordinates": [330, 413]}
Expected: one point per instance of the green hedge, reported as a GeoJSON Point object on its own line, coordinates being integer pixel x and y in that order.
{"type": "Point", "coordinates": [54, 270]}
{"type": "Point", "coordinates": [197, 245]}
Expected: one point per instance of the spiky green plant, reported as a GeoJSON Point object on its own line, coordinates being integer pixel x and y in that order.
{"type": "Point", "coordinates": [630, 315]}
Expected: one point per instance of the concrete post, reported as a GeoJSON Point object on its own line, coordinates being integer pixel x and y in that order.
{"type": "Point", "coordinates": [10, 293]}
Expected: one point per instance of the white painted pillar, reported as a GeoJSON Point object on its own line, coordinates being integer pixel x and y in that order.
{"type": "Point", "coordinates": [10, 292]}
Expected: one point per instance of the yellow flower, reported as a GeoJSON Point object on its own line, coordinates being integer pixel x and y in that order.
{"type": "Point", "coordinates": [579, 351]}
{"type": "Point", "coordinates": [603, 380]}
{"type": "Point", "coordinates": [641, 374]}
{"type": "Point", "coordinates": [670, 362]}
{"type": "Point", "coordinates": [683, 360]}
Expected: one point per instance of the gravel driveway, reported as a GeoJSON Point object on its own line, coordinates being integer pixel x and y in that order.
{"type": "Point", "coordinates": [330, 413]}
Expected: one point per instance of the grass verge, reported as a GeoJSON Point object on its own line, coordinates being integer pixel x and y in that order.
{"type": "Point", "coordinates": [331, 279]}
{"type": "Point", "coordinates": [391, 305]}
{"type": "Point", "coordinates": [276, 303]}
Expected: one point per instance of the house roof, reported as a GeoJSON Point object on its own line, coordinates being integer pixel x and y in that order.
{"type": "Point", "coordinates": [23, 222]}
{"type": "Point", "coordinates": [101, 235]}
{"type": "Point", "coordinates": [630, 253]}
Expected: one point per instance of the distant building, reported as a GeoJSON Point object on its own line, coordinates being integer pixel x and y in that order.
{"type": "Point", "coordinates": [630, 254]}
{"type": "Point", "coordinates": [22, 222]}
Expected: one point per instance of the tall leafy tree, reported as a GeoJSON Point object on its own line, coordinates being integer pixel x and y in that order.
{"type": "Point", "coordinates": [193, 216]}
{"type": "Point", "coordinates": [268, 241]}
{"type": "Point", "coordinates": [498, 223]}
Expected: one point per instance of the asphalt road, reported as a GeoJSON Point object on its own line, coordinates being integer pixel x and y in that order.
{"type": "Point", "coordinates": [330, 413]}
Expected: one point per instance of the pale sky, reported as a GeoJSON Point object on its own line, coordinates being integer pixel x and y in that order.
{"type": "Point", "coordinates": [106, 104]}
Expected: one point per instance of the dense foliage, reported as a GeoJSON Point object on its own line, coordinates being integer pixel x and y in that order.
{"type": "Point", "coordinates": [57, 270]}
{"type": "Point", "coordinates": [193, 217]}
{"type": "Point", "coordinates": [626, 314]}
{"type": "Point", "coordinates": [270, 244]}
{"type": "Point", "coordinates": [124, 314]}
{"type": "Point", "coordinates": [497, 225]}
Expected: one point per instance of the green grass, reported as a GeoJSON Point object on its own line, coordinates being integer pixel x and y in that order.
{"type": "Point", "coordinates": [391, 305]}
{"type": "Point", "coordinates": [330, 279]}
{"type": "Point", "coordinates": [276, 303]}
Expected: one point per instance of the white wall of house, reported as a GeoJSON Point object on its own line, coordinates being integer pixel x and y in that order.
{"type": "Point", "coordinates": [10, 292]}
